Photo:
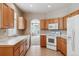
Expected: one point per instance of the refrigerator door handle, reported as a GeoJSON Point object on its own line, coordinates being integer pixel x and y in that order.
{"type": "Point", "coordinates": [73, 41]}
{"type": "Point", "coordinates": [69, 37]}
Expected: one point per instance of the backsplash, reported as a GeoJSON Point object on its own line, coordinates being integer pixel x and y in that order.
{"type": "Point", "coordinates": [3, 33]}
{"type": "Point", "coordinates": [62, 32]}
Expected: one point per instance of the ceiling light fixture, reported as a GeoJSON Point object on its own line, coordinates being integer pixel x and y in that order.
{"type": "Point", "coordinates": [49, 6]}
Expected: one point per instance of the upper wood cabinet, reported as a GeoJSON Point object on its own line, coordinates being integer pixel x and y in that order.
{"type": "Point", "coordinates": [61, 24]}
{"type": "Point", "coordinates": [0, 14]}
{"type": "Point", "coordinates": [10, 18]}
{"type": "Point", "coordinates": [55, 20]}
{"type": "Point", "coordinates": [50, 21]}
{"type": "Point", "coordinates": [21, 23]}
{"type": "Point", "coordinates": [4, 21]}
{"type": "Point", "coordinates": [46, 24]}
{"type": "Point", "coordinates": [42, 24]}
{"type": "Point", "coordinates": [65, 23]}
{"type": "Point", "coordinates": [6, 16]}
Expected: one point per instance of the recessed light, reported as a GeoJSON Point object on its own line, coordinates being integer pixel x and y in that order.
{"type": "Point", "coordinates": [49, 6]}
{"type": "Point", "coordinates": [31, 5]}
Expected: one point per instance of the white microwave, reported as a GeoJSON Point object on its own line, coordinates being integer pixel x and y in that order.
{"type": "Point", "coordinates": [53, 26]}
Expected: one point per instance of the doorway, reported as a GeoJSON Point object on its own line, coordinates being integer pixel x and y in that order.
{"type": "Point", "coordinates": [35, 32]}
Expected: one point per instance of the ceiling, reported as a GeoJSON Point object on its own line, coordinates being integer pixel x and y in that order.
{"type": "Point", "coordinates": [41, 7]}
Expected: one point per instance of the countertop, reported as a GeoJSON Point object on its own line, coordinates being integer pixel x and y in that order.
{"type": "Point", "coordinates": [63, 36]}
{"type": "Point", "coordinates": [13, 40]}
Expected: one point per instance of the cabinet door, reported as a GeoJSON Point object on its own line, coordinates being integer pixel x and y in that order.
{"type": "Point", "coordinates": [10, 17]}
{"type": "Point", "coordinates": [17, 52]}
{"type": "Point", "coordinates": [43, 41]}
{"type": "Point", "coordinates": [61, 24]}
{"type": "Point", "coordinates": [50, 21]}
{"type": "Point", "coordinates": [59, 45]}
{"type": "Point", "coordinates": [64, 46]}
{"type": "Point", "coordinates": [25, 46]}
{"type": "Point", "coordinates": [46, 24]}
{"type": "Point", "coordinates": [5, 16]}
{"type": "Point", "coordinates": [22, 49]}
{"type": "Point", "coordinates": [42, 24]}
{"type": "Point", "coordinates": [65, 23]}
{"type": "Point", "coordinates": [55, 20]}
{"type": "Point", "coordinates": [0, 14]}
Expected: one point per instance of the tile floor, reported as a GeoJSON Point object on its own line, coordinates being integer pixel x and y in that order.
{"type": "Point", "coordinates": [38, 51]}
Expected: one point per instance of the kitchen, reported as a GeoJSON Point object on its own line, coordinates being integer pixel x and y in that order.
{"type": "Point", "coordinates": [38, 29]}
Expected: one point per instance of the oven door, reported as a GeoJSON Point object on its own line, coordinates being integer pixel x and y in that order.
{"type": "Point", "coordinates": [51, 41]}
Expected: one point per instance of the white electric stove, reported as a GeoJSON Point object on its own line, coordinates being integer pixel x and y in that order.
{"type": "Point", "coordinates": [51, 40]}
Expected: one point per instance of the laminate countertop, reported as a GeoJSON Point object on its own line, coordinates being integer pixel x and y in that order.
{"type": "Point", "coordinates": [63, 36]}
{"type": "Point", "coordinates": [13, 40]}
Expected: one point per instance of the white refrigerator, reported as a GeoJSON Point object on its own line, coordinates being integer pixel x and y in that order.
{"type": "Point", "coordinates": [73, 36]}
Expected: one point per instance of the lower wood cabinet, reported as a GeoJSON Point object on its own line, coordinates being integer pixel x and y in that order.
{"type": "Point", "coordinates": [62, 45]}
{"type": "Point", "coordinates": [14, 50]}
{"type": "Point", "coordinates": [6, 51]}
{"type": "Point", "coordinates": [17, 52]}
{"type": "Point", "coordinates": [43, 41]}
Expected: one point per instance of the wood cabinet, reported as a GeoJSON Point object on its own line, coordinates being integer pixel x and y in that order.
{"type": "Point", "coordinates": [4, 22]}
{"type": "Point", "coordinates": [58, 43]}
{"type": "Point", "coordinates": [21, 23]}
{"type": "Point", "coordinates": [46, 24]}
{"type": "Point", "coordinates": [50, 21]}
{"type": "Point", "coordinates": [42, 24]}
{"type": "Point", "coordinates": [6, 51]}
{"type": "Point", "coordinates": [18, 49]}
{"type": "Point", "coordinates": [55, 20]}
{"type": "Point", "coordinates": [17, 52]}
{"type": "Point", "coordinates": [10, 17]}
{"type": "Point", "coordinates": [65, 23]}
{"type": "Point", "coordinates": [62, 45]}
{"type": "Point", "coordinates": [0, 14]}
{"type": "Point", "coordinates": [43, 41]}
{"type": "Point", "coordinates": [61, 24]}
{"type": "Point", "coordinates": [6, 16]}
